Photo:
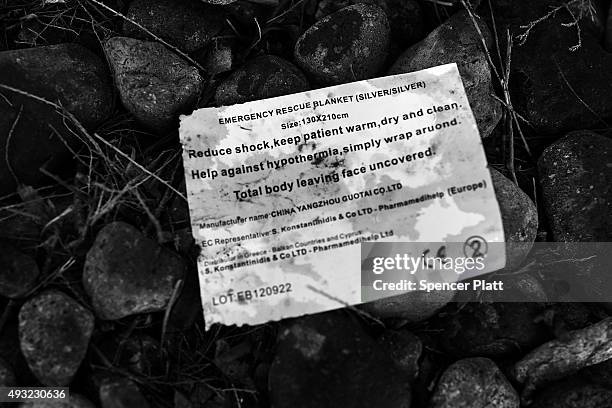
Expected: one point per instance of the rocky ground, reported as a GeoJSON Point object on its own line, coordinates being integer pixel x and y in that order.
{"type": "Point", "coordinates": [98, 286]}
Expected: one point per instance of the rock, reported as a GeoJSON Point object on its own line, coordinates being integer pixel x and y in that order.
{"type": "Point", "coordinates": [573, 394]}
{"type": "Point", "coordinates": [327, 359]}
{"type": "Point", "coordinates": [561, 316]}
{"type": "Point", "coordinates": [519, 217]}
{"type": "Point", "coordinates": [230, 360]}
{"type": "Point", "coordinates": [67, 74]}
{"type": "Point", "coordinates": [7, 376]}
{"type": "Point", "coordinates": [598, 374]}
{"type": "Point", "coordinates": [80, 81]}
{"type": "Point", "coordinates": [266, 76]}
{"type": "Point", "coordinates": [591, 387]}
{"type": "Point", "coordinates": [18, 228]}
{"type": "Point", "coordinates": [346, 46]}
{"type": "Point", "coordinates": [405, 349]}
{"type": "Point", "coordinates": [154, 84]}
{"type": "Point", "coordinates": [559, 358]}
{"type": "Point", "coordinates": [10, 350]}
{"type": "Point", "coordinates": [406, 18]}
{"type": "Point", "coordinates": [407, 21]}
{"type": "Point", "coordinates": [188, 25]}
{"type": "Point", "coordinates": [121, 393]}
{"type": "Point", "coordinates": [140, 354]}
{"type": "Point", "coordinates": [244, 12]}
{"type": "Point", "coordinates": [497, 323]}
{"type": "Point", "coordinates": [22, 224]}
{"type": "Point", "coordinates": [54, 332]}
{"type": "Point", "coordinates": [127, 273]}
{"type": "Point", "coordinates": [492, 329]}
{"type": "Point", "coordinates": [474, 382]}
{"type": "Point", "coordinates": [188, 307]}
{"type": "Point", "coordinates": [411, 307]}
{"type": "Point", "coordinates": [576, 178]}
{"type": "Point", "coordinates": [567, 316]}
{"type": "Point", "coordinates": [519, 286]}
{"type": "Point", "coordinates": [73, 401]}
{"type": "Point", "coordinates": [555, 87]}
{"type": "Point", "coordinates": [457, 40]}
{"type": "Point", "coordinates": [18, 272]}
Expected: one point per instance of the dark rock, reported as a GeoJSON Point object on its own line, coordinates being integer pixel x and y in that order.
{"type": "Point", "coordinates": [17, 227]}
{"type": "Point", "coordinates": [328, 359]}
{"type": "Point", "coordinates": [411, 307]}
{"type": "Point", "coordinates": [73, 401]}
{"type": "Point", "coordinates": [188, 307]}
{"type": "Point", "coordinates": [10, 350]}
{"type": "Point", "coordinates": [405, 349]}
{"type": "Point", "coordinates": [127, 273]}
{"type": "Point", "coordinates": [457, 40]}
{"type": "Point", "coordinates": [80, 82]}
{"type": "Point", "coordinates": [121, 393]}
{"type": "Point", "coordinates": [266, 76]}
{"type": "Point", "coordinates": [155, 84]}
{"type": "Point", "coordinates": [573, 394]}
{"type": "Point", "coordinates": [576, 178]}
{"type": "Point", "coordinates": [492, 329]}
{"type": "Point", "coordinates": [140, 354]}
{"type": "Point", "coordinates": [244, 12]}
{"type": "Point", "coordinates": [22, 224]}
{"type": "Point", "coordinates": [230, 360]}
{"type": "Point", "coordinates": [559, 358]}
{"type": "Point", "coordinates": [474, 382]}
{"type": "Point", "coordinates": [496, 324]}
{"type": "Point", "coordinates": [66, 74]}
{"type": "Point", "coordinates": [186, 24]}
{"type": "Point", "coordinates": [431, 366]}
{"type": "Point", "coordinates": [519, 216]}
{"type": "Point", "coordinates": [260, 377]}
{"type": "Point", "coordinates": [568, 316]}
{"type": "Point", "coordinates": [556, 85]}
{"type": "Point", "coordinates": [518, 286]}
{"type": "Point", "coordinates": [7, 377]}
{"type": "Point", "coordinates": [18, 272]}
{"type": "Point", "coordinates": [54, 332]}
{"type": "Point", "coordinates": [346, 46]}
{"type": "Point", "coordinates": [405, 17]}
{"type": "Point", "coordinates": [598, 374]}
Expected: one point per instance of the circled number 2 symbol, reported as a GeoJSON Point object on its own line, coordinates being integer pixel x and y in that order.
{"type": "Point", "coordinates": [475, 247]}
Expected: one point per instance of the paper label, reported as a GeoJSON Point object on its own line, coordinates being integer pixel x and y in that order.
{"type": "Point", "coordinates": [283, 191]}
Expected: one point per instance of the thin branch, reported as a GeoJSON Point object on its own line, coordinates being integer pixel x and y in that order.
{"type": "Point", "coordinates": [8, 142]}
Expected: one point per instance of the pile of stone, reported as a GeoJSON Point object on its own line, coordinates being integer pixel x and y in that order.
{"type": "Point", "coordinates": [168, 57]}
